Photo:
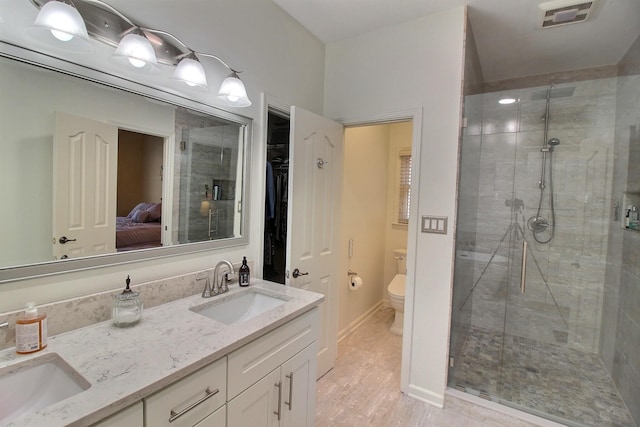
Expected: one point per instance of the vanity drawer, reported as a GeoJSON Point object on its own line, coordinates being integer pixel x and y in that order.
{"type": "Point", "coordinates": [190, 399]}
{"type": "Point", "coordinates": [132, 416]}
{"type": "Point", "coordinates": [250, 363]}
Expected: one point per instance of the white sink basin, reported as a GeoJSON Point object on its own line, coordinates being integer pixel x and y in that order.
{"type": "Point", "coordinates": [36, 383]}
{"type": "Point", "coordinates": [238, 308]}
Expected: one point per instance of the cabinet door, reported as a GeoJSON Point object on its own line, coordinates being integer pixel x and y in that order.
{"type": "Point", "coordinates": [258, 405]}
{"type": "Point", "coordinates": [255, 360]}
{"type": "Point", "coordinates": [128, 417]}
{"type": "Point", "coordinates": [217, 419]}
{"type": "Point", "coordinates": [299, 388]}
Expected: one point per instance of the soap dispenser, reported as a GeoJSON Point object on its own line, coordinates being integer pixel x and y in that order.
{"type": "Point", "coordinates": [244, 273]}
{"type": "Point", "coordinates": [31, 330]}
{"type": "Point", "coordinates": [127, 307]}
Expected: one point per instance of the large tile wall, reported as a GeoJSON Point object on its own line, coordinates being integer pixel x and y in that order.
{"type": "Point", "coordinates": [206, 151]}
{"type": "Point", "coordinates": [564, 286]}
{"type": "Point", "coordinates": [620, 337]}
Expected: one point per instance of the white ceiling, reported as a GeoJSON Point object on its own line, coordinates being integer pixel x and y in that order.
{"type": "Point", "coordinates": [510, 41]}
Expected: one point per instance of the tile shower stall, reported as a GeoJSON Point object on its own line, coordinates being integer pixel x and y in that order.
{"type": "Point", "coordinates": [546, 306]}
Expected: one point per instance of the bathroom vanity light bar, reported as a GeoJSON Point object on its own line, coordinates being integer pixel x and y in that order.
{"type": "Point", "coordinates": [67, 25]}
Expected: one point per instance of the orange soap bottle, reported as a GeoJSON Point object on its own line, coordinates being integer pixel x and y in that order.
{"type": "Point", "coordinates": [31, 330]}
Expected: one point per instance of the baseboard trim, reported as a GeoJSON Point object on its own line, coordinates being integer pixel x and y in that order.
{"type": "Point", "coordinates": [426, 396]}
{"type": "Point", "coordinates": [359, 321]}
{"type": "Point", "coordinates": [503, 409]}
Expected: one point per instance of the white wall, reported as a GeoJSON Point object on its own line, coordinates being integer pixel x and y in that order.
{"type": "Point", "coordinates": [278, 56]}
{"type": "Point", "coordinates": [153, 168]}
{"type": "Point", "coordinates": [363, 219]}
{"type": "Point", "coordinates": [400, 135]}
{"type": "Point", "coordinates": [414, 65]}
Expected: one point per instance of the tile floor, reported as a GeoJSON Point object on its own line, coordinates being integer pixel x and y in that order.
{"type": "Point", "coordinates": [364, 388]}
{"type": "Point", "coordinates": [552, 379]}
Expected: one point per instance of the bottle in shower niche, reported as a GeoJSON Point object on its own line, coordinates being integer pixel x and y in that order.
{"type": "Point", "coordinates": [627, 216]}
{"type": "Point", "coordinates": [31, 330]}
{"type": "Point", "coordinates": [243, 273]}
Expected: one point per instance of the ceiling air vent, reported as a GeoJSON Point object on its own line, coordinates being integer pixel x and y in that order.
{"type": "Point", "coordinates": [563, 12]}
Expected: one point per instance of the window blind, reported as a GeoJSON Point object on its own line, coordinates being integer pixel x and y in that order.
{"type": "Point", "coordinates": [404, 199]}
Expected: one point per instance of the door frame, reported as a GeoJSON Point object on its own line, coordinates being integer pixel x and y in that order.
{"type": "Point", "coordinates": [168, 172]}
{"type": "Point", "coordinates": [415, 116]}
{"type": "Point", "coordinates": [267, 102]}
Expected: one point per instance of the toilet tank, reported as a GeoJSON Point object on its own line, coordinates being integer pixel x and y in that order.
{"type": "Point", "coordinates": [401, 260]}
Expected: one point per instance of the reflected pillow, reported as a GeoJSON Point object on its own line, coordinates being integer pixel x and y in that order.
{"type": "Point", "coordinates": [141, 216]}
{"type": "Point", "coordinates": [139, 207]}
{"type": "Point", "coordinates": [155, 211]}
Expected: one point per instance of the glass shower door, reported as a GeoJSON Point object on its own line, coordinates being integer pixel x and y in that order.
{"type": "Point", "coordinates": [486, 267]}
{"type": "Point", "coordinates": [530, 268]}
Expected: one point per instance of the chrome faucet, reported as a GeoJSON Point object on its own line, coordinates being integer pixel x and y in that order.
{"type": "Point", "coordinates": [220, 288]}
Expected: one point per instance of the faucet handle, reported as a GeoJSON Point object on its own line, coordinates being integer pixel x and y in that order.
{"type": "Point", "coordinates": [207, 293]}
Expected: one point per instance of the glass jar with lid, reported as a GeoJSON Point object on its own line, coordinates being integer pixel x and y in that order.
{"type": "Point", "coordinates": [127, 307]}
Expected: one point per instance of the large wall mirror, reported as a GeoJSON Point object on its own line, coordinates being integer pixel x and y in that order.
{"type": "Point", "coordinates": [92, 174]}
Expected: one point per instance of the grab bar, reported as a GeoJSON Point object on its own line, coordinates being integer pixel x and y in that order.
{"type": "Point", "coordinates": [523, 279]}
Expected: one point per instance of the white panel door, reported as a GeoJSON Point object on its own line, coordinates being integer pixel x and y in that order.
{"type": "Point", "coordinates": [315, 186]}
{"type": "Point", "coordinates": [85, 169]}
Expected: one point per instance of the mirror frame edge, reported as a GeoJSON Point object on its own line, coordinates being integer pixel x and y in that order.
{"type": "Point", "coordinates": [14, 274]}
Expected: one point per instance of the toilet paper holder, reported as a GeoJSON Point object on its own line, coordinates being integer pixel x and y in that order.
{"type": "Point", "coordinates": [351, 273]}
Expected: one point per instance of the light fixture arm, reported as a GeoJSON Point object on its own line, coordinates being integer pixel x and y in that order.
{"type": "Point", "coordinates": [208, 55]}
{"type": "Point", "coordinates": [114, 10]}
{"type": "Point", "coordinates": [191, 54]}
{"type": "Point", "coordinates": [152, 30]}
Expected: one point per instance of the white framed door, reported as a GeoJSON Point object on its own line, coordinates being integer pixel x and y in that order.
{"type": "Point", "coordinates": [315, 191]}
{"type": "Point", "coordinates": [85, 156]}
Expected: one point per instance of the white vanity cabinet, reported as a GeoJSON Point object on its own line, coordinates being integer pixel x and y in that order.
{"type": "Point", "coordinates": [190, 401]}
{"type": "Point", "coordinates": [268, 382]}
{"type": "Point", "coordinates": [272, 380]}
{"type": "Point", "coordinates": [133, 416]}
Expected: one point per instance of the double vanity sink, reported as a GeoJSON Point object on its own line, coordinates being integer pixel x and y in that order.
{"type": "Point", "coordinates": [240, 307]}
{"type": "Point", "coordinates": [37, 383]}
{"type": "Point", "coordinates": [86, 374]}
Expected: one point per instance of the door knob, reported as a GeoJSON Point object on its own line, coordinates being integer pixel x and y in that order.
{"type": "Point", "coordinates": [64, 240]}
{"type": "Point", "coordinates": [296, 273]}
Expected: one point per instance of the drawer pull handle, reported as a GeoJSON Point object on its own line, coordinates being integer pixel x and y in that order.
{"type": "Point", "coordinates": [279, 411]}
{"type": "Point", "coordinates": [207, 395]}
{"type": "Point", "coordinates": [290, 402]}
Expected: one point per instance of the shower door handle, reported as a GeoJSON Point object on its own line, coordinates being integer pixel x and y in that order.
{"type": "Point", "coordinates": [523, 278]}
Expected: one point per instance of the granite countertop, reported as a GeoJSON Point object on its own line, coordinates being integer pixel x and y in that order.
{"type": "Point", "coordinates": [124, 365]}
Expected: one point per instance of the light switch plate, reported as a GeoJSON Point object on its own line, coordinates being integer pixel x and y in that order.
{"type": "Point", "coordinates": [434, 224]}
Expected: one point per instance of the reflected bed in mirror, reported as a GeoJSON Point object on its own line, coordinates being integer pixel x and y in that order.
{"type": "Point", "coordinates": [94, 175]}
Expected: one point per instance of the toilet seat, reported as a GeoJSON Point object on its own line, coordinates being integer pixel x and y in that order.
{"type": "Point", "coordinates": [397, 286]}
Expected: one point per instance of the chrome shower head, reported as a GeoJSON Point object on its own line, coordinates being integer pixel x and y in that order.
{"type": "Point", "coordinates": [553, 142]}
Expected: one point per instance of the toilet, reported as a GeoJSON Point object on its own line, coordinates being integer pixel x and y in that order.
{"type": "Point", "coordinates": [396, 290]}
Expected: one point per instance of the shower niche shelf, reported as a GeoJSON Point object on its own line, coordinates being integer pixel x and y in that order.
{"type": "Point", "coordinates": [630, 199]}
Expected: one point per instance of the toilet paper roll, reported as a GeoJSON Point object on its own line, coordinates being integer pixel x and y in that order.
{"type": "Point", "coordinates": [355, 283]}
